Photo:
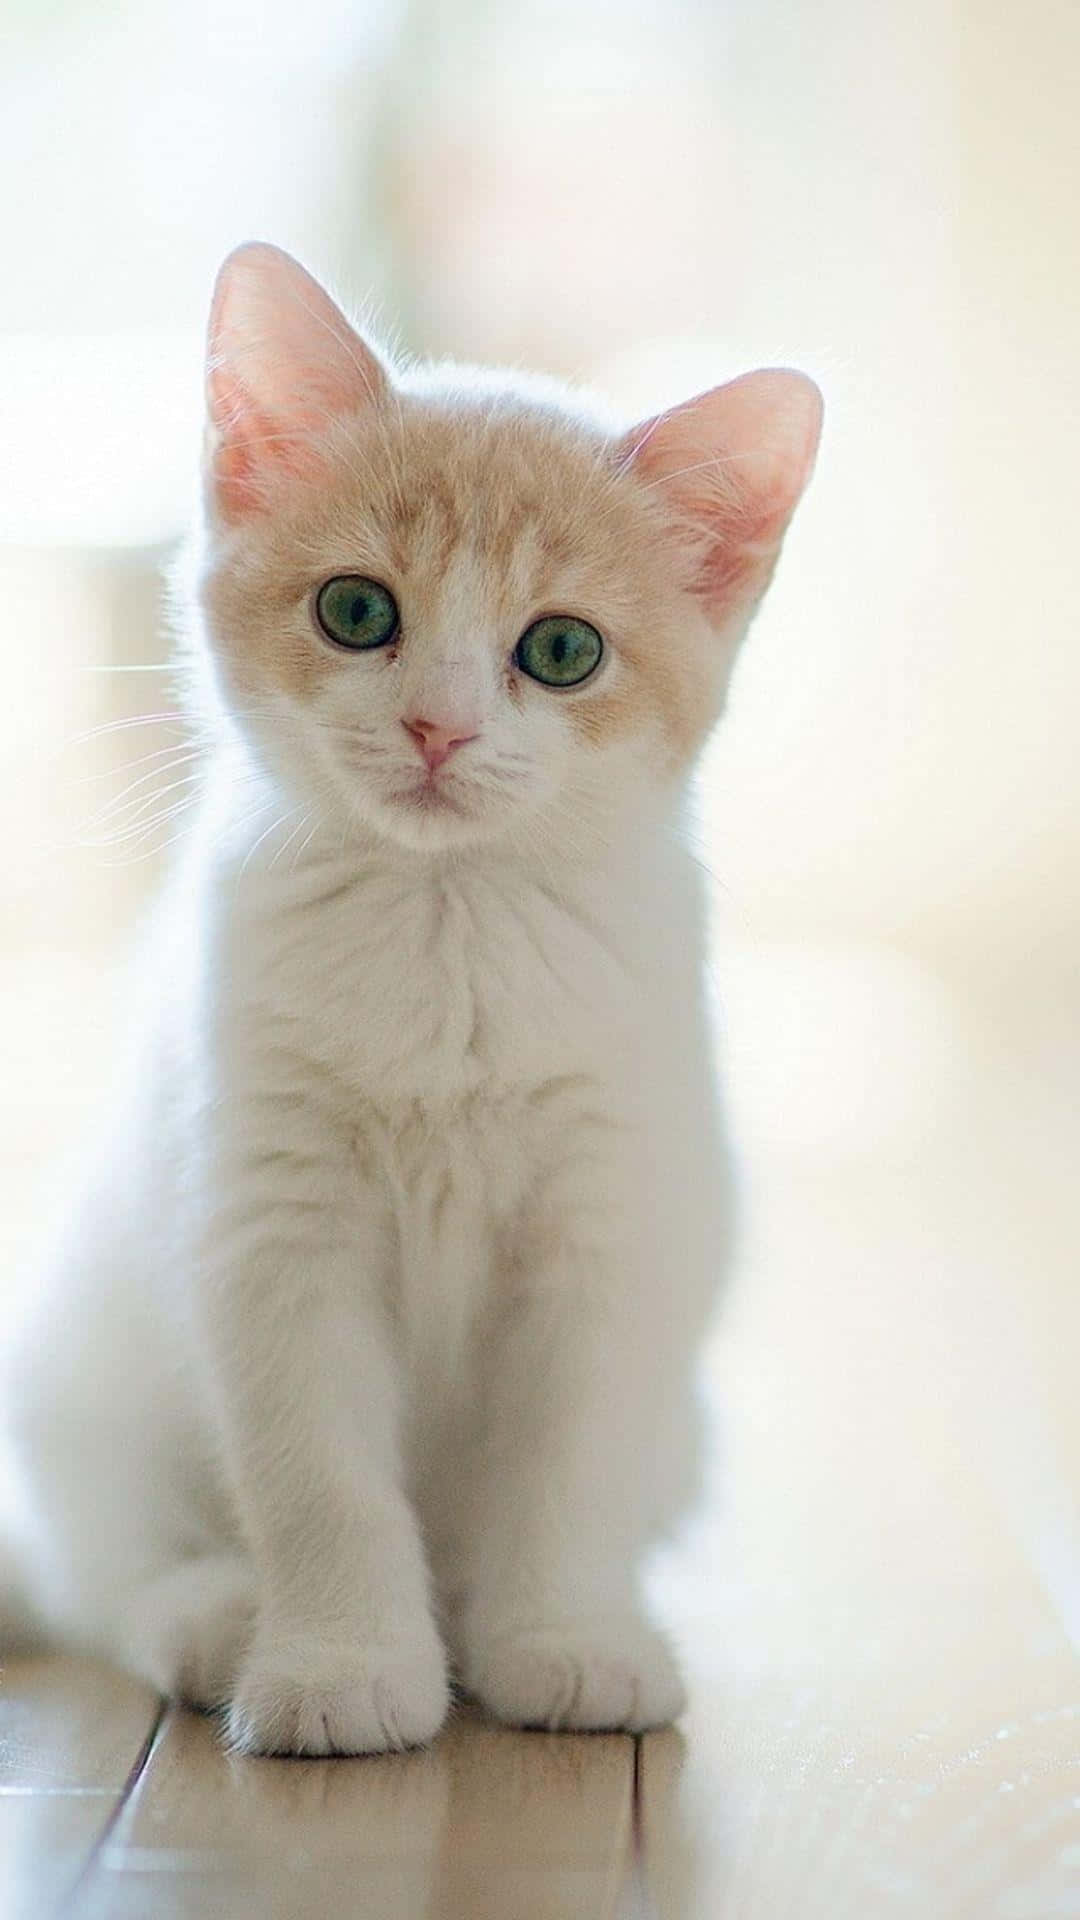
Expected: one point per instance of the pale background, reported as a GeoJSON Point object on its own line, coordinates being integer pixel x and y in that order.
{"type": "Point", "coordinates": [652, 197]}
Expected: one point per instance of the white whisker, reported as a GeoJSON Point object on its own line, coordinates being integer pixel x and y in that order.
{"type": "Point", "coordinates": [265, 835]}
{"type": "Point", "coordinates": [178, 748]}
{"type": "Point", "coordinates": [121, 800]}
{"type": "Point", "coordinates": [299, 828]}
{"type": "Point", "coordinates": [306, 843]}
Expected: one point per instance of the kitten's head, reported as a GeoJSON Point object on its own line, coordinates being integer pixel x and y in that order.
{"type": "Point", "coordinates": [450, 604]}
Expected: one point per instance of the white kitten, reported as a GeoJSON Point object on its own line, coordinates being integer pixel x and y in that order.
{"type": "Point", "coordinates": [367, 1352]}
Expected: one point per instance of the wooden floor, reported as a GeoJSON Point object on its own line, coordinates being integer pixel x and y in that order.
{"type": "Point", "coordinates": [112, 1806]}
{"type": "Point", "coordinates": [954, 1792]}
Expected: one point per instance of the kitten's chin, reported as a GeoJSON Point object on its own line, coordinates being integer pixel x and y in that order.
{"type": "Point", "coordinates": [434, 819]}
{"type": "Point", "coordinates": [452, 811]}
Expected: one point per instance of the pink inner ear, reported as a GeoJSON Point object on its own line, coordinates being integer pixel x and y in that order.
{"type": "Point", "coordinates": [239, 453]}
{"type": "Point", "coordinates": [732, 464]}
{"type": "Point", "coordinates": [282, 364]}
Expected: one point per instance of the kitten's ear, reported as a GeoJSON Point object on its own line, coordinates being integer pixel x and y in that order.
{"type": "Point", "coordinates": [731, 464]}
{"type": "Point", "coordinates": [282, 361]}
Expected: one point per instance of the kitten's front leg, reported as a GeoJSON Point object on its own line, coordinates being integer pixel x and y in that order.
{"type": "Point", "coordinates": [588, 1396]}
{"type": "Point", "coordinates": [345, 1655]}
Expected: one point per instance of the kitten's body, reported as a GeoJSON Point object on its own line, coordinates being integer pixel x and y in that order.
{"type": "Point", "coordinates": [374, 1332]}
{"type": "Point", "coordinates": [467, 1082]}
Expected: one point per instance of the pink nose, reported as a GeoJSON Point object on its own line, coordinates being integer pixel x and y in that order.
{"type": "Point", "coordinates": [435, 741]}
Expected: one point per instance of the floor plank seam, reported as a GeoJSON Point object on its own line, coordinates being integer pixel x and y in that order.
{"type": "Point", "coordinates": [635, 1899]}
{"type": "Point", "coordinates": [636, 1804]}
{"type": "Point", "coordinates": [135, 1774]}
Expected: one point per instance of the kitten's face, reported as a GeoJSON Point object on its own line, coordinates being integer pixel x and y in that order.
{"type": "Point", "coordinates": [478, 526]}
{"type": "Point", "coordinates": [454, 613]}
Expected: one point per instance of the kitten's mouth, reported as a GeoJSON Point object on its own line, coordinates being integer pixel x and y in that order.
{"type": "Point", "coordinates": [447, 808]}
{"type": "Point", "coordinates": [428, 793]}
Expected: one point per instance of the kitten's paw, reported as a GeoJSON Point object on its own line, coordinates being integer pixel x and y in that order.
{"type": "Point", "coordinates": [585, 1674]}
{"type": "Point", "coordinates": [185, 1631]}
{"type": "Point", "coordinates": [301, 1695]}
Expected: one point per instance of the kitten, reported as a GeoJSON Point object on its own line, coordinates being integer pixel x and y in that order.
{"type": "Point", "coordinates": [367, 1353]}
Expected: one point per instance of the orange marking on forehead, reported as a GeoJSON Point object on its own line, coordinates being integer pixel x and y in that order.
{"type": "Point", "coordinates": [424, 525]}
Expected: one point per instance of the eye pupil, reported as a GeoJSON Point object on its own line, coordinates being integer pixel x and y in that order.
{"type": "Point", "coordinates": [558, 649]}
{"type": "Point", "coordinates": [358, 610]}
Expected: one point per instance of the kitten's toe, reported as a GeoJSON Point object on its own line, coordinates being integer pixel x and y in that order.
{"type": "Point", "coordinates": [301, 1695]}
{"type": "Point", "coordinates": [588, 1674]}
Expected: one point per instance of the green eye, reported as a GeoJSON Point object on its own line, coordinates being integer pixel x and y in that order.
{"type": "Point", "coordinates": [356, 612]}
{"type": "Point", "coordinates": [559, 651]}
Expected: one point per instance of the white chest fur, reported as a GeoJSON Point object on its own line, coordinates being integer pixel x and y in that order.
{"type": "Point", "coordinates": [438, 986]}
{"type": "Point", "coordinates": [476, 1024]}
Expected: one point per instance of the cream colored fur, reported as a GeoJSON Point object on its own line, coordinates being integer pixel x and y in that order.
{"type": "Point", "coordinates": [364, 1358]}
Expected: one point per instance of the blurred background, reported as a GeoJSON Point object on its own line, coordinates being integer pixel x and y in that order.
{"type": "Point", "coordinates": [653, 195]}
